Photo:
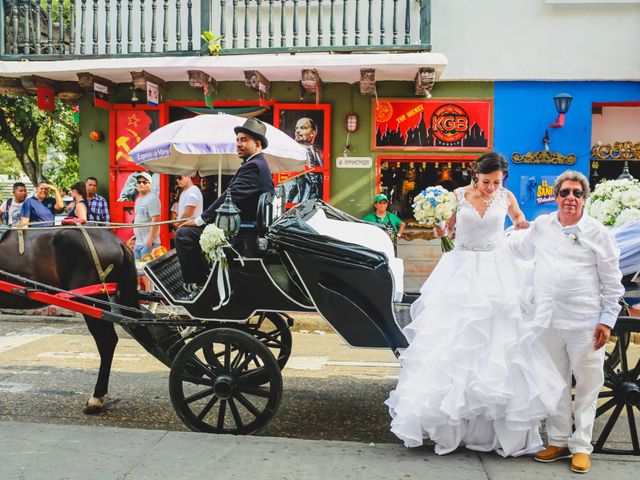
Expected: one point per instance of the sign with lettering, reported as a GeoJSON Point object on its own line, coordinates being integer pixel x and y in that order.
{"type": "Point", "coordinates": [454, 124]}
{"type": "Point", "coordinates": [354, 162]}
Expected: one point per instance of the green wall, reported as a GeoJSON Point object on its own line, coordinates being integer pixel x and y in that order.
{"type": "Point", "coordinates": [352, 190]}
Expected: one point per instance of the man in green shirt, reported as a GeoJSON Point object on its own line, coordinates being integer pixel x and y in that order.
{"type": "Point", "coordinates": [391, 222]}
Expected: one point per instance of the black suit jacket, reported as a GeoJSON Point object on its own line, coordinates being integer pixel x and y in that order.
{"type": "Point", "coordinates": [251, 180]}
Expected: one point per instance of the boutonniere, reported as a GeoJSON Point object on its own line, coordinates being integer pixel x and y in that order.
{"type": "Point", "coordinates": [573, 237]}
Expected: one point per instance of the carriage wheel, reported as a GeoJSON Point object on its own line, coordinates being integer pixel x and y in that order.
{"type": "Point", "coordinates": [621, 392]}
{"type": "Point", "coordinates": [223, 397]}
{"type": "Point", "coordinates": [272, 329]}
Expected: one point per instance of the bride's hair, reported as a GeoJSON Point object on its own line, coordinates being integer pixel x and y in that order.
{"type": "Point", "coordinates": [488, 163]}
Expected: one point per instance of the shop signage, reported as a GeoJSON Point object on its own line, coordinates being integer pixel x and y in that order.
{"type": "Point", "coordinates": [617, 151]}
{"type": "Point", "coordinates": [452, 124]}
{"type": "Point", "coordinates": [544, 157]}
{"type": "Point", "coordinates": [537, 188]}
{"type": "Point", "coordinates": [354, 162]}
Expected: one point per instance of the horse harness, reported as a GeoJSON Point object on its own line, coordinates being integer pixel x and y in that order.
{"type": "Point", "coordinates": [102, 273]}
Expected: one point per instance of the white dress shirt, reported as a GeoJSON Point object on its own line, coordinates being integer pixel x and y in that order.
{"type": "Point", "coordinates": [577, 279]}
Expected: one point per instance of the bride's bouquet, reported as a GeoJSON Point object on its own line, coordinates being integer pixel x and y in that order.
{"type": "Point", "coordinates": [434, 206]}
{"type": "Point", "coordinates": [615, 202]}
{"type": "Point", "coordinates": [212, 242]}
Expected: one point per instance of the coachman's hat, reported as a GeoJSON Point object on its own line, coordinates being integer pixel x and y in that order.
{"type": "Point", "coordinates": [256, 129]}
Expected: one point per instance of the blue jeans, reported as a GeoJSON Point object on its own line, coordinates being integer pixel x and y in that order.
{"type": "Point", "coordinates": [140, 251]}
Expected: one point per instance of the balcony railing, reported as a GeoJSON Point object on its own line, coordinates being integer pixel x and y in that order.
{"type": "Point", "coordinates": [50, 29]}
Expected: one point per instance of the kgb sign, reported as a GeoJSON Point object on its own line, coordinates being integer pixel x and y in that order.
{"type": "Point", "coordinates": [415, 125]}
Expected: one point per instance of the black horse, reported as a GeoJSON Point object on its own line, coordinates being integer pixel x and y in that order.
{"type": "Point", "coordinates": [62, 258]}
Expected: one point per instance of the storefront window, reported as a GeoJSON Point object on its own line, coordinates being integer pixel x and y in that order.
{"type": "Point", "coordinates": [401, 180]}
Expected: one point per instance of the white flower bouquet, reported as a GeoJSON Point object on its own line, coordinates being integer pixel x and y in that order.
{"type": "Point", "coordinates": [615, 202]}
{"type": "Point", "coordinates": [212, 242]}
{"type": "Point", "coordinates": [434, 206]}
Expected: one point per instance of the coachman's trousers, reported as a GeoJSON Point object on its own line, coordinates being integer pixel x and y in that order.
{"type": "Point", "coordinates": [194, 268]}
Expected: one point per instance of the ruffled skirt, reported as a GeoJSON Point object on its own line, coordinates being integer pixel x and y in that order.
{"type": "Point", "coordinates": [474, 374]}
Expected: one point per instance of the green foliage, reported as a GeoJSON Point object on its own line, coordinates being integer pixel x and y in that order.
{"type": "Point", "coordinates": [45, 144]}
{"type": "Point", "coordinates": [213, 42]}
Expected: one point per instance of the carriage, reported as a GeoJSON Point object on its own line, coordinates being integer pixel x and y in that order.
{"type": "Point", "coordinates": [226, 348]}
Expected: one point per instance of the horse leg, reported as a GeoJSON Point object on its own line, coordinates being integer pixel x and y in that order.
{"type": "Point", "coordinates": [104, 334]}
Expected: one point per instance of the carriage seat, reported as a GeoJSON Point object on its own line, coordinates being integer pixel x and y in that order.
{"type": "Point", "coordinates": [270, 207]}
{"type": "Point", "coordinates": [366, 235]}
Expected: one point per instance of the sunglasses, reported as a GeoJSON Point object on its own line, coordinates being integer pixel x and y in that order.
{"type": "Point", "coordinates": [142, 182]}
{"type": "Point", "coordinates": [566, 191]}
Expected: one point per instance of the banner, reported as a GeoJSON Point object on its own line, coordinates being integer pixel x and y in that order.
{"type": "Point", "coordinates": [46, 98]}
{"type": "Point", "coordinates": [432, 124]}
{"type": "Point", "coordinates": [152, 94]}
{"type": "Point", "coordinates": [100, 95]}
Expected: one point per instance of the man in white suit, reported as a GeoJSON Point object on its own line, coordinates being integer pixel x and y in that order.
{"type": "Point", "coordinates": [578, 286]}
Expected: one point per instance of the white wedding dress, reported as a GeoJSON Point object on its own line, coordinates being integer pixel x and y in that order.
{"type": "Point", "coordinates": [473, 375]}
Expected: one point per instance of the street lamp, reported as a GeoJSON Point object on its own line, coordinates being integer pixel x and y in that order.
{"type": "Point", "coordinates": [562, 102]}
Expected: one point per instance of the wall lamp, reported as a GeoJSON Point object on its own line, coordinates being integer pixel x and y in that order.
{"type": "Point", "coordinates": [562, 101]}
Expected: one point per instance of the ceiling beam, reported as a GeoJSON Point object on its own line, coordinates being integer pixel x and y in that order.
{"type": "Point", "coordinates": [65, 89]}
{"type": "Point", "coordinates": [367, 81]}
{"type": "Point", "coordinates": [257, 82]}
{"type": "Point", "coordinates": [198, 79]}
{"type": "Point", "coordinates": [87, 79]}
{"type": "Point", "coordinates": [425, 80]}
{"type": "Point", "coordinates": [11, 86]}
{"type": "Point", "coordinates": [141, 78]}
{"type": "Point", "coordinates": [311, 83]}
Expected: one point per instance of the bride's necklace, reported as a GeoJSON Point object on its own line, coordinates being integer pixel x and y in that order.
{"type": "Point", "coordinates": [489, 201]}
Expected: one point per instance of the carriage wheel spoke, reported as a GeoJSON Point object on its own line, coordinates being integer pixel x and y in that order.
{"type": "Point", "coordinates": [251, 376]}
{"type": "Point", "coordinates": [235, 413]}
{"type": "Point", "coordinates": [605, 406]}
{"type": "Point", "coordinates": [249, 356]}
{"type": "Point", "coordinates": [606, 394]}
{"type": "Point", "coordinates": [207, 408]}
{"type": "Point", "coordinates": [236, 360]}
{"type": "Point", "coordinates": [199, 396]}
{"type": "Point", "coordinates": [227, 354]}
{"type": "Point", "coordinates": [248, 405]}
{"type": "Point", "coordinates": [257, 391]}
{"type": "Point", "coordinates": [197, 380]}
{"type": "Point", "coordinates": [632, 428]}
{"type": "Point", "coordinates": [221, 414]}
{"type": "Point", "coordinates": [195, 362]}
{"type": "Point", "coordinates": [608, 427]}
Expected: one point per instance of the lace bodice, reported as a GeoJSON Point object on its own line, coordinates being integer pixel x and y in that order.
{"type": "Point", "coordinates": [475, 232]}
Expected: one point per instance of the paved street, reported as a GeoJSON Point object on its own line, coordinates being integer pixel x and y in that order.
{"type": "Point", "coordinates": [332, 394]}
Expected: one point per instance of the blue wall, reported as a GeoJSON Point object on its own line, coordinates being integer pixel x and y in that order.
{"type": "Point", "coordinates": [523, 110]}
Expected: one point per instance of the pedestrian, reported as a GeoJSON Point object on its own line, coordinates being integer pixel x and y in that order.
{"type": "Point", "coordinates": [40, 209]}
{"type": "Point", "coordinates": [251, 180]}
{"type": "Point", "coordinates": [190, 202]}
{"type": "Point", "coordinates": [80, 205]}
{"type": "Point", "coordinates": [11, 207]}
{"type": "Point", "coordinates": [208, 186]}
{"type": "Point", "coordinates": [389, 221]}
{"type": "Point", "coordinates": [146, 210]}
{"type": "Point", "coordinates": [98, 207]}
{"type": "Point", "coordinates": [577, 285]}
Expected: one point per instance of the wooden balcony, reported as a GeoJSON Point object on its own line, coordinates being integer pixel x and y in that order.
{"type": "Point", "coordinates": [68, 29]}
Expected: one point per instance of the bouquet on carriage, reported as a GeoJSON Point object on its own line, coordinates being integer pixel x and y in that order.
{"type": "Point", "coordinates": [212, 242]}
{"type": "Point", "coordinates": [434, 206]}
{"type": "Point", "coordinates": [615, 202]}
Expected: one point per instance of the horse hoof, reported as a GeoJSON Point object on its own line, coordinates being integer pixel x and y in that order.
{"type": "Point", "coordinates": [93, 406]}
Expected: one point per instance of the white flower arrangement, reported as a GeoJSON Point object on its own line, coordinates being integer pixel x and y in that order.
{"type": "Point", "coordinates": [573, 237]}
{"type": "Point", "coordinates": [212, 242]}
{"type": "Point", "coordinates": [615, 202]}
{"type": "Point", "coordinates": [434, 206]}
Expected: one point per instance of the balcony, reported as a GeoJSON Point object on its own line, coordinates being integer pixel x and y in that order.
{"type": "Point", "coordinates": [70, 29]}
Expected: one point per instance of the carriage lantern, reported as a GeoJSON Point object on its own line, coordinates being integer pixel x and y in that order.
{"type": "Point", "coordinates": [228, 218]}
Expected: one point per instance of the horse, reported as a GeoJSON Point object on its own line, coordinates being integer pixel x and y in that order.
{"type": "Point", "coordinates": [61, 257]}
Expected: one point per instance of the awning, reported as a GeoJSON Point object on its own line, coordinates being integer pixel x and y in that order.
{"type": "Point", "coordinates": [276, 67]}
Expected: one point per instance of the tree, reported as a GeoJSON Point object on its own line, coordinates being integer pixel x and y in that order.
{"type": "Point", "coordinates": [35, 134]}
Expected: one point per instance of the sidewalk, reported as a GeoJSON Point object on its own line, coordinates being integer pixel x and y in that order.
{"type": "Point", "coordinates": [55, 452]}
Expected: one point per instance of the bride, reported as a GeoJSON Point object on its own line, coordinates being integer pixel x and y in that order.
{"type": "Point", "coordinates": [472, 375]}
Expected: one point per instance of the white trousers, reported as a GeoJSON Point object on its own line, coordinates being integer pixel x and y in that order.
{"type": "Point", "coordinates": [573, 353]}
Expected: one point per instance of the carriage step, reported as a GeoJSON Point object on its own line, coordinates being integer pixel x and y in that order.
{"type": "Point", "coordinates": [402, 314]}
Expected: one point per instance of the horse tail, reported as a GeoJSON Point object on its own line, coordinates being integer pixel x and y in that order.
{"type": "Point", "coordinates": [128, 279]}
